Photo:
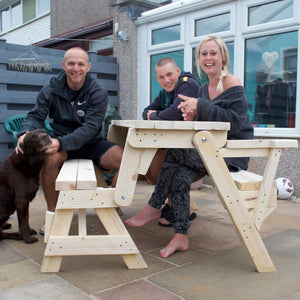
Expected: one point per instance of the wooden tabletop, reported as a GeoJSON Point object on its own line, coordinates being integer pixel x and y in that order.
{"type": "Point", "coordinates": [170, 125]}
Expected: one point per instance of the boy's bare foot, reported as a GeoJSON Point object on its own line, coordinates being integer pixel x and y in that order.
{"type": "Point", "coordinates": [145, 216]}
{"type": "Point", "coordinates": [164, 223]}
{"type": "Point", "coordinates": [179, 242]}
{"type": "Point", "coordinates": [42, 230]}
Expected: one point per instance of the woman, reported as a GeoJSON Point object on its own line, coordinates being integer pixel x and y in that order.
{"type": "Point", "coordinates": [221, 99]}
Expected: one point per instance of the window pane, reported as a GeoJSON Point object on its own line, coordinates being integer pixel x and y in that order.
{"type": "Point", "coordinates": [155, 86]}
{"type": "Point", "coordinates": [102, 43]}
{"type": "Point", "coordinates": [16, 14]}
{"type": "Point", "coordinates": [270, 79]}
{"type": "Point", "coordinates": [29, 10]}
{"type": "Point", "coordinates": [204, 78]}
{"type": "Point", "coordinates": [5, 16]}
{"type": "Point", "coordinates": [43, 6]}
{"type": "Point", "coordinates": [165, 35]}
{"type": "Point", "coordinates": [270, 12]}
{"type": "Point", "coordinates": [213, 24]}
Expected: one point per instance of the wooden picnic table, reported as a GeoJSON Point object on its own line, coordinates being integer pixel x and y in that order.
{"type": "Point", "coordinates": [248, 198]}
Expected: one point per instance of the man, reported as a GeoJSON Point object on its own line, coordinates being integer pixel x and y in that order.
{"type": "Point", "coordinates": [164, 107]}
{"type": "Point", "coordinates": [77, 105]}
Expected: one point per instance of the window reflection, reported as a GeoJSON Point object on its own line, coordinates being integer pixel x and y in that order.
{"type": "Point", "coordinates": [213, 24]}
{"type": "Point", "coordinates": [270, 12]}
{"type": "Point", "coordinates": [270, 79]}
{"type": "Point", "coordinates": [166, 34]}
{"type": "Point", "coordinates": [176, 55]}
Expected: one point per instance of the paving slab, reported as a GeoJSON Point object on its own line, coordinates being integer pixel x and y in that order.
{"type": "Point", "coordinates": [21, 273]}
{"type": "Point", "coordinates": [137, 290]}
{"type": "Point", "coordinates": [48, 289]}
{"type": "Point", "coordinates": [9, 254]}
{"type": "Point", "coordinates": [217, 265]}
{"type": "Point", "coordinates": [92, 274]}
{"type": "Point", "coordinates": [231, 275]}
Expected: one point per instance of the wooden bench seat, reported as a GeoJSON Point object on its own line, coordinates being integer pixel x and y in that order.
{"type": "Point", "coordinates": [249, 184]}
{"type": "Point", "coordinates": [248, 197]}
{"type": "Point", "coordinates": [78, 190]}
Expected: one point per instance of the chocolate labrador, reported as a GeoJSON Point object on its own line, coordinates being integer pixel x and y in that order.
{"type": "Point", "coordinates": [19, 182]}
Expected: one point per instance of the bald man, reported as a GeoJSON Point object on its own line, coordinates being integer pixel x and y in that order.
{"type": "Point", "coordinates": [76, 103]}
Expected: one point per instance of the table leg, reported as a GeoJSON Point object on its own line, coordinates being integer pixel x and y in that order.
{"type": "Point", "coordinates": [266, 186]}
{"type": "Point", "coordinates": [114, 226]}
{"type": "Point", "coordinates": [233, 200]}
{"type": "Point", "coordinates": [135, 161]}
{"type": "Point", "coordinates": [60, 227]}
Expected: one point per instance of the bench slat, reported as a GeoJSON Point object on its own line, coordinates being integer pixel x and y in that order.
{"type": "Point", "coordinates": [86, 177]}
{"type": "Point", "coordinates": [246, 181]}
{"type": "Point", "coordinates": [279, 143]}
{"type": "Point", "coordinates": [66, 179]}
{"type": "Point", "coordinates": [76, 174]}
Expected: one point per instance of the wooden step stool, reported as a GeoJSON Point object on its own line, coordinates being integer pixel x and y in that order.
{"type": "Point", "coordinates": [77, 186]}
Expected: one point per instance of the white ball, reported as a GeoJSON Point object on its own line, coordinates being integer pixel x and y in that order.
{"type": "Point", "coordinates": [285, 188]}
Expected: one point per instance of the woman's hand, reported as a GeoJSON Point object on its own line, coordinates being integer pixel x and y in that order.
{"type": "Point", "coordinates": [188, 107]}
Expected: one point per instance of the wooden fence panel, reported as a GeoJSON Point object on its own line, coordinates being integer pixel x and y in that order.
{"type": "Point", "coordinates": [18, 90]}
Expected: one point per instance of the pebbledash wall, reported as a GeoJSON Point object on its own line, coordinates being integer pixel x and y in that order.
{"type": "Point", "coordinates": [18, 90]}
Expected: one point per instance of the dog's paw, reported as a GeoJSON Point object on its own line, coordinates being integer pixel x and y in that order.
{"type": "Point", "coordinates": [32, 231]}
{"type": "Point", "coordinates": [30, 240]}
{"type": "Point", "coordinates": [10, 235]}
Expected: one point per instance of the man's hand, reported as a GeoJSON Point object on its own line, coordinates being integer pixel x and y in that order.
{"type": "Point", "coordinates": [18, 148]}
{"type": "Point", "coordinates": [188, 107]}
{"type": "Point", "coordinates": [54, 147]}
{"type": "Point", "coordinates": [149, 113]}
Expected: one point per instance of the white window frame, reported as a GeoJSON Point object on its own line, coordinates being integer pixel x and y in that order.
{"type": "Point", "coordinates": [211, 12]}
{"type": "Point", "coordinates": [37, 16]}
{"type": "Point", "coordinates": [167, 23]}
{"type": "Point", "coordinates": [277, 131]}
{"type": "Point", "coordinates": [10, 27]}
{"type": "Point", "coordinates": [238, 33]}
{"type": "Point", "coordinates": [275, 24]}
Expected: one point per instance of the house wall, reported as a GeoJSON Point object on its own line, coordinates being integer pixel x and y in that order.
{"type": "Point", "coordinates": [68, 15]}
{"type": "Point", "coordinates": [126, 54]}
{"type": "Point", "coordinates": [30, 33]}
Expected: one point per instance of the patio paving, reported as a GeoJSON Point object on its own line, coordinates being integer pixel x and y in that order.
{"type": "Point", "coordinates": [216, 266]}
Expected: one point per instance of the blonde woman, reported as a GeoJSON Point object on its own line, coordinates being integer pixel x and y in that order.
{"type": "Point", "coordinates": [222, 98]}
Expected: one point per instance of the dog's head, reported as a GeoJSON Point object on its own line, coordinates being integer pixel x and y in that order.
{"type": "Point", "coordinates": [35, 141]}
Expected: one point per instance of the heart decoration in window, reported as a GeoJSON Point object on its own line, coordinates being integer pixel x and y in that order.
{"type": "Point", "coordinates": [270, 58]}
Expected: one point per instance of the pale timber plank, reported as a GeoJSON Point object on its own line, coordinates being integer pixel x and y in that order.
{"type": "Point", "coordinates": [246, 181]}
{"type": "Point", "coordinates": [86, 177]}
{"type": "Point", "coordinates": [99, 198]}
{"type": "Point", "coordinates": [114, 226]}
{"type": "Point", "coordinates": [48, 224]}
{"type": "Point", "coordinates": [277, 143]}
{"type": "Point", "coordinates": [67, 177]}
{"type": "Point", "coordinates": [90, 245]}
{"type": "Point", "coordinates": [233, 201]}
{"type": "Point", "coordinates": [171, 125]}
